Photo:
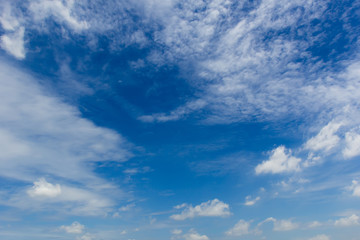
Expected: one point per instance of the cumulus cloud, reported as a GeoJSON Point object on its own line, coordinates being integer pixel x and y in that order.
{"type": "Point", "coordinates": [352, 220]}
{"type": "Point", "coordinates": [42, 188]}
{"type": "Point", "coordinates": [281, 225]}
{"type": "Point", "coordinates": [326, 139]}
{"type": "Point", "coordinates": [352, 148]}
{"type": "Point", "coordinates": [193, 235]}
{"type": "Point", "coordinates": [355, 188]}
{"type": "Point", "coordinates": [86, 236]}
{"type": "Point", "coordinates": [75, 228]}
{"type": "Point", "coordinates": [241, 228]}
{"type": "Point", "coordinates": [211, 208]}
{"type": "Point", "coordinates": [320, 237]}
{"type": "Point", "coordinates": [250, 202]}
{"type": "Point", "coordinates": [280, 161]}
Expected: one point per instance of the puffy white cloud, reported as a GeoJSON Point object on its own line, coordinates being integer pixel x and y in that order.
{"type": "Point", "coordinates": [86, 236]}
{"type": "Point", "coordinates": [352, 148]}
{"type": "Point", "coordinates": [285, 225]}
{"type": "Point", "coordinates": [211, 208]}
{"type": "Point", "coordinates": [280, 161]}
{"type": "Point", "coordinates": [42, 188]}
{"type": "Point", "coordinates": [75, 227]}
{"type": "Point", "coordinates": [193, 235]}
{"type": "Point", "coordinates": [281, 225]}
{"type": "Point", "coordinates": [315, 224]}
{"type": "Point", "coordinates": [355, 188]}
{"type": "Point", "coordinates": [352, 220]}
{"type": "Point", "coordinates": [320, 237]}
{"type": "Point", "coordinates": [241, 228]}
{"type": "Point", "coordinates": [250, 202]}
{"type": "Point", "coordinates": [326, 139]}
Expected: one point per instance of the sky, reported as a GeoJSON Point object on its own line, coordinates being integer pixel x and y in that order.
{"type": "Point", "coordinates": [179, 120]}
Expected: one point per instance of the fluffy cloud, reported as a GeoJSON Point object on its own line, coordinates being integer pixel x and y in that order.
{"type": "Point", "coordinates": [320, 237]}
{"type": "Point", "coordinates": [355, 188]}
{"type": "Point", "coordinates": [211, 208]}
{"type": "Point", "coordinates": [281, 225]}
{"type": "Point", "coordinates": [326, 139]}
{"type": "Point", "coordinates": [42, 188]}
{"type": "Point", "coordinates": [250, 202]}
{"type": "Point", "coordinates": [352, 148]}
{"type": "Point", "coordinates": [241, 228]}
{"type": "Point", "coordinates": [193, 235]}
{"type": "Point", "coordinates": [352, 220]}
{"type": "Point", "coordinates": [75, 227]}
{"type": "Point", "coordinates": [280, 161]}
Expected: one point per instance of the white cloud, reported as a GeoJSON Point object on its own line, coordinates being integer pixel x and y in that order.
{"type": "Point", "coordinates": [211, 208]}
{"type": "Point", "coordinates": [176, 231]}
{"type": "Point", "coordinates": [75, 227]}
{"type": "Point", "coordinates": [326, 138]}
{"type": "Point", "coordinates": [241, 228]}
{"type": "Point", "coordinates": [352, 148]}
{"type": "Point", "coordinates": [352, 220]}
{"type": "Point", "coordinates": [62, 11]}
{"type": "Point", "coordinates": [193, 235]}
{"type": "Point", "coordinates": [315, 224]}
{"type": "Point", "coordinates": [44, 136]}
{"type": "Point", "coordinates": [86, 236]}
{"type": "Point", "coordinates": [42, 188]}
{"type": "Point", "coordinates": [251, 202]}
{"type": "Point", "coordinates": [320, 237]}
{"type": "Point", "coordinates": [281, 225]}
{"type": "Point", "coordinates": [355, 188]}
{"type": "Point", "coordinates": [7, 19]}
{"type": "Point", "coordinates": [285, 225]}
{"type": "Point", "coordinates": [13, 43]}
{"type": "Point", "coordinates": [280, 161]}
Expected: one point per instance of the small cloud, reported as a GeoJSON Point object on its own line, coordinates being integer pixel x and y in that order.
{"type": "Point", "coordinates": [315, 224]}
{"type": "Point", "coordinates": [280, 161]}
{"type": "Point", "coordinates": [75, 227]}
{"type": "Point", "coordinates": [42, 188]}
{"type": "Point", "coordinates": [352, 148]}
{"type": "Point", "coordinates": [355, 188]}
{"type": "Point", "coordinates": [320, 237]}
{"type": "Point", "coordinates": [176, 231]}
{"type": "Point", "coordinates": [87, 236]}
{"type": "Point", "coordinates": [211, 208]}
{"type": "Point", "coordinates": [251, 202]}
{"type": "Point", "coordinates": [281, 225]}
{"type": "Point", "coordinates": [326, 138]}
{"type": "Point", "coordinates": [193, 235]}
{"type": "Point", "coordinates": [127, 208]}
{"type": "Point", "coordinates": [241, 228]}
{"type": "Point", "coordinates": [352, 220]}
{"type": "Point", "coordinates": [13, 43]}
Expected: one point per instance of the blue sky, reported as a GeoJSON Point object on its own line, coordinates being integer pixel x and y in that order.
{"type": "Point", "coordinates": [179, 120]}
